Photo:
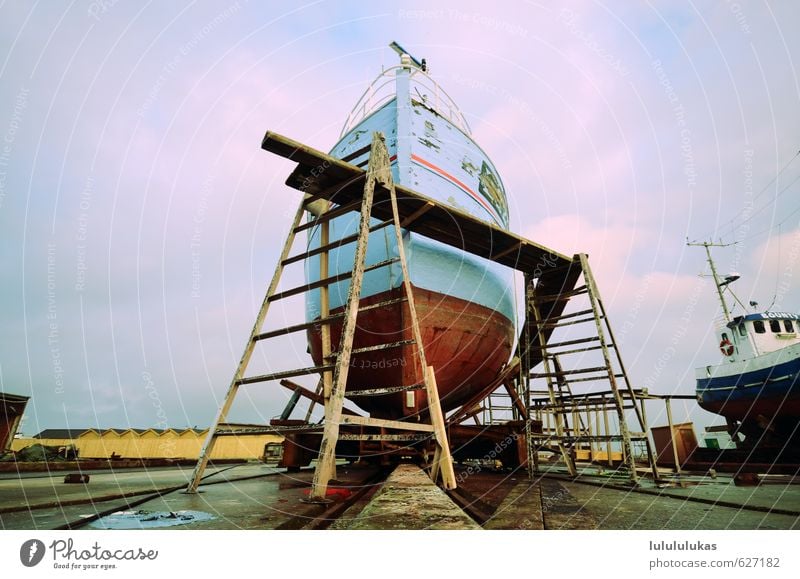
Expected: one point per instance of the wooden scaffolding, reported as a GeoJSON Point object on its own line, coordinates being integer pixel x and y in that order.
{"type": "Point", "coordinates": [344, 188]}
{"type": "Point", "coordinates": [568, 332]}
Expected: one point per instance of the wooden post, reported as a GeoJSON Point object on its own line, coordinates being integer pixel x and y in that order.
{"type": "Point", "coordinates": [443, 460]}
{"type": "Point", "coordinates": [325, 329]}
{"type": "Point", "coordinates": [672, 439]}
{"type": "Point", "coordinates": [607, 433]}
{"type": "Point", "coordinates": [333, 408]}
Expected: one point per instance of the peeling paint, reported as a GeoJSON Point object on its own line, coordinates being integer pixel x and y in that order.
{"type": "Point", "coordinates": [356, 136]}
{"type": "Point", "coordinates": [452, 201]}
{"type": "Point", "coordinates": [467, 165]}
{"type": "Point", "coordinates": [428, 143]}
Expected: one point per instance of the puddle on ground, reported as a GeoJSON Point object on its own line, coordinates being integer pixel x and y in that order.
{"type": "Point", "coordinates": [149, 519]}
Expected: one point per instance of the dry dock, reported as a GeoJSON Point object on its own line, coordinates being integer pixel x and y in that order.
{"type": "Point", "coordinates": [256, 496]}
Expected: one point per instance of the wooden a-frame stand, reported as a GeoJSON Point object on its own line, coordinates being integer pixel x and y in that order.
{"type": "Point", "coordinates": [336, 363]}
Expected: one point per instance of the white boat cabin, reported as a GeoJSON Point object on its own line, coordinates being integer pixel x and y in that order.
{"type": "Point", "coordinates": [752, 335]}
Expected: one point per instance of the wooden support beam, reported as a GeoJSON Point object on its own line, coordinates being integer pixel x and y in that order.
{"type": "Point", "coordinates": [313, 396]}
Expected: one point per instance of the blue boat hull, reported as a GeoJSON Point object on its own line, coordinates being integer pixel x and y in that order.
{"type": "Point", "coordinates": [468, 313]}
{"type": "Point", "coordinates": [763, 388]}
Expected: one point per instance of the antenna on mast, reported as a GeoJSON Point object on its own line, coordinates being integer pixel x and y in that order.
{"type": "Point", "coordinates": [719, 284]}
{"type": "Point", "coordinates": [422, 65]}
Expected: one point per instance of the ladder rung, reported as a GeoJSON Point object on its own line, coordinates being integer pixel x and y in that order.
{"type": "Point", "coordinates": [573, 342]}
{"type": "Point", "coordinates": [383, 304]}
{"type": "Point", "coordinates": [603, 376]}
{"type": "Point", "coordinates": [332, 245]}
{"type": "Point", "coordinates": [386, 390]}
{"type": "Point", "coordinates": [568, 372]}
{"type": "Point", "coordinates": [562, 296]}
{"type": "Point", "coordinates": [286, 374]}
{"type": "Point", "coordinates": [298, 327]}
{"type": "Point", "coordinates": [379, 347]}
{"type": "Point", "coordinates": [384, 437]}
{"type": "Point", "coordinates": [328, 280]}
{"type": "Point", "coordinates": [563, 324]}
{"type": "Point", "coordinates": [318, 322]}
{"type": "Point", "coordinates": [575, 351]}
{"type": "Point", "coordinates": [328, 215]}
{"type": "Point", "coordinates": [567, 316]}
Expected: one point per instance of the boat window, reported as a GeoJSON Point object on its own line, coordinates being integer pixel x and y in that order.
{"type": "Point", "coordinates": [758, 326]}
{"type": "Point", "coordinates": [775, 326]}
{"type": "Point", "coordinates": [788, 325]}
{"type": "Point", "coordinates": [742, 330]}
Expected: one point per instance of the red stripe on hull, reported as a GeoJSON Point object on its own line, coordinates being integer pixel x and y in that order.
{"type": "Point", "coordinates": [466, 343]}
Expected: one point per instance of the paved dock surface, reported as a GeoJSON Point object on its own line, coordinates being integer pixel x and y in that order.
{"type": "Point", "coordinates": [256, 496]}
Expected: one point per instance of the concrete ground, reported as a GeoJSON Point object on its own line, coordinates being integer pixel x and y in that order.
{"type": "Point", "coordinates": [255, 496]}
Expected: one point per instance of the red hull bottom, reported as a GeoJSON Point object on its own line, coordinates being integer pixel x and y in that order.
{"type": "Point", "coordinates": [466, 344]}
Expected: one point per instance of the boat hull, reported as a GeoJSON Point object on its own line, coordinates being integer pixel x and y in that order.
{"type": "Point", "coordinates": [466, 343]}
{"type": "Point", "coordinates": [465, 304]}
{"type": "Point", "coordinates": [764, 389]}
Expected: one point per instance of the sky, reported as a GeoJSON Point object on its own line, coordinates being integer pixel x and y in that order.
{"type": "Point", "coordinates": [141, 222]}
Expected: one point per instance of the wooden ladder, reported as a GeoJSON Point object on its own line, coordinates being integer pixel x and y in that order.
{"type": "Point", "coordinates": [608, 370]}
{"type": "Point", "coordinates": [335, 364]}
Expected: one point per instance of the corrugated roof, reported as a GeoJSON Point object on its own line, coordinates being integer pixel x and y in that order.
{"type": "Point", "coordinates": [71, 433]}
{"type": "Point", "coordinates": [60, 433]}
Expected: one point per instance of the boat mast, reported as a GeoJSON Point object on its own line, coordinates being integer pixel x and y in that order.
{"type": "Point", "coordinates": [717, 283]}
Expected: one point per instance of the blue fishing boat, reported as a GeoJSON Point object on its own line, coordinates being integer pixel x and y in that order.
{"type": "Point", "coordinates": [465, 304]}
{"type": "Point", "coordinates": [757, 385]}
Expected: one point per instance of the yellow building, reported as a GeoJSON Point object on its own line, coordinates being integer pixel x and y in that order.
{"type": "Point", "coordinates": [152, 443]}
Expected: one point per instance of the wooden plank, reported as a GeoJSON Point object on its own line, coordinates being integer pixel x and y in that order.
{"type": "Point", "coordinates": [328, 245]}
{"type": "Point", "coordinates": [305, 392]}
{"type": "Point", "coordinates": [284, 374]}
{"type": "Point", "coordinates": [299, 327]}
{"type": "Point", "coordinates": [383, 423]}
{"type": "Point", "coordinates": [438, 221]}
